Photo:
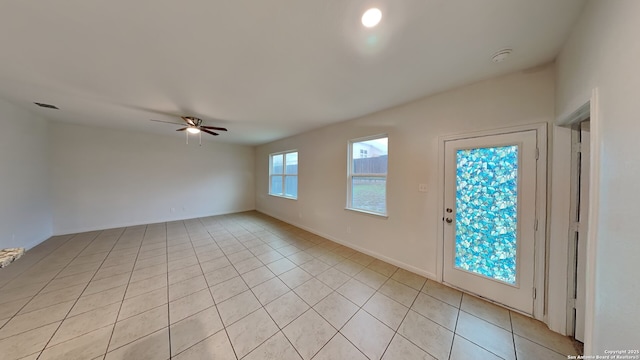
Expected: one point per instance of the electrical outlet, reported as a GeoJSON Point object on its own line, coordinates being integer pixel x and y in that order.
{"type": "Point", "coordinates": [348, 229]}
{"type": "Point", "coordinates": [172, 210]}
{"type": "Point", "coordinates": [422, 187]}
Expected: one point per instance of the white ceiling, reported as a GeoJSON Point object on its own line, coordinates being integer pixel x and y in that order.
{"type": "Point", "coordinates": [263, 69]}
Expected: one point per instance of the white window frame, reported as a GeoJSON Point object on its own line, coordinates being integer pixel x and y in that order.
{"type": "Point", "coordinates": [350, 176]}
{"type": "Point", "coordinates": [284, 174]}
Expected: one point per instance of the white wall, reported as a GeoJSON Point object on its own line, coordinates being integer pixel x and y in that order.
{"type": "Point", "coordinates": [409, 235]}
{"type": "Point", "coordinates": [25, 212]}
{"type": "Point", "coordinates": [603, 52]}
{"type": "Point", "coordinates": [105, 178]}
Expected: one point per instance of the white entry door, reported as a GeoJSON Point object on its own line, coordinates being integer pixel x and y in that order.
{"type": "Point", "coordinates": [490, 217]}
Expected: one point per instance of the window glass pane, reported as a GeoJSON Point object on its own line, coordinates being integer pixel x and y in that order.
{"type": "Point", "coordinates": [487, 212]}
{"type": "Point", "coordinates": [276, 164]}
{"type": "Point", "coordinates": [291, 186]}
{"type": "Point", "coordinates": [276, 185]}
{"type": "Point", "coordinates": [370, 157]}
{"type": "Point", "coordinates": [368, 193]}
{"type": "Point", "coordinates": [292, 163]}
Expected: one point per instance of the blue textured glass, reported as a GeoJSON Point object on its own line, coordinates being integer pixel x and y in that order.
{"type": "Point", "coordinates": [487, 211]}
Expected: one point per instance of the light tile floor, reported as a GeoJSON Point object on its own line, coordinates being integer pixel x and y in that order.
{"type": "Point", "coordinates": [243, 286]}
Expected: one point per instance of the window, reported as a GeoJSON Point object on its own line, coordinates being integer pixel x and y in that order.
{"type": "Point", "coordinates": [283, 174]}
{"type": "Point", "coordinates": [367, 175]}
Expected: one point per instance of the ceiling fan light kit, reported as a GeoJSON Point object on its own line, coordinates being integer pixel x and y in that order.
{"type": "Point", "coordinates": [194, 126]}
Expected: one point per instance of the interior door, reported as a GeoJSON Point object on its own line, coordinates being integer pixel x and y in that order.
{"type": "Point", "coordinates": [490, 217]}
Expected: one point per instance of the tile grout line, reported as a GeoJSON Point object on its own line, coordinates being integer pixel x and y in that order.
{"type": "Point", "coordinates": [80, 295]}
{"type": "Point", "coordinates": [166, 247]}
{"type": "Point", "coordinates": [455, 333]}
{"type": "Point", "coordinates": [311, 307]}
{"type": "Point", "coordinates": [338, 331]}
{"type": "Point", "coordinates": [40, 291]}
{"type": "Point", "coordinates": [405, 316]}
{"type": "Point", "coordinates": [48, 282]}
{"type": "Point", "coordinates": [410, 309]}
{"type": "Point", "coordinates": [211, 294]}
{"type": "Point", "coordinates": [41, 259]}
{"type": "Point", "coordinates": [513, 336]}
{"type": "Point", "coordinates": [370, 297]}
{"type": "Point", "coordinates": [352, 316]}
{"type": "Point", "coordinates": [528, 339]}
{"type": "Point", "coordinates": [283, 235]}
{"type": "Point", "coordinates": [458, 309]}
{"type": "Point", "coordinates": [248, 289]}
{"type": "Point", "coordinates": [125, 291]}
{"type": "Point", "coordinates": [455, 328]}
{"type": "Point", "coordinates": [155, 307]}
{"type": "Point", "coordinates": [205, 280]}
{"type": "Point", "coordinates": [262, 307]}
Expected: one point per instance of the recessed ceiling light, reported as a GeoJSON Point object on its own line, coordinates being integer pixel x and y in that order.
{"type": "Point", "coordinates": [48, 106]}
{"type": "Point", "coordinates": [501, 55]}
{"type": "Point", "coordinates": [371, 17]}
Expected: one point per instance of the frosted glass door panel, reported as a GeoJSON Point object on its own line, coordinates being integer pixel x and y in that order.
{"type": "Point", "coordinates": [487, 211]}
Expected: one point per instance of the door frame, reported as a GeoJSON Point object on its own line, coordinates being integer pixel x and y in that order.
{"type": "Point", "coordinates": [574, 210]}
{"type": "Point", "coordinates": [589, 110]}
{"type": "Point", "coordinates": [585, 108]}
{"type": "Point", "coordinates": [578, 222]}
{"type": "Point", "coordinates": [541, 205]}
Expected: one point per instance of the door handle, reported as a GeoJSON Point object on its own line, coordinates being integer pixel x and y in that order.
{"type": "Point", "coordinates": [449, 220]}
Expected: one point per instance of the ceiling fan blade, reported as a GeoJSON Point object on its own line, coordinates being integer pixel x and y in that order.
{"type": "Point", "coordinates": [188, 121]}
{"type": "Point", "coordinates": [213, 128]}
{"type": "Point", "coordinates": [167, 122]}
{"type": "Point", "coordinates": [209, 132]}
{"type": "Point", "coordinates": [183, 129]}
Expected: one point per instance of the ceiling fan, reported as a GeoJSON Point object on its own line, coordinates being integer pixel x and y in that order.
{"type": "Point", "coordinates": [194, 125]}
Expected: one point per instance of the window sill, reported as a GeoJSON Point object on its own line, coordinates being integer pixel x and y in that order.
{"type": "Point", "coordinates": [385, 216]}
{"type": "Point", "coordinates": [284, 197]}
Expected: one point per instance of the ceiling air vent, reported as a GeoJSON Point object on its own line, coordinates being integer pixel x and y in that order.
{"type": "Point", "coordinates": [48, 106]}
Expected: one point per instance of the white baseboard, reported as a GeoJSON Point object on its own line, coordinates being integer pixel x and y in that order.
{"type": "Point", "coordinates": [59, 232]}
{"type": "Point", "coordinates": [400, 264]}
